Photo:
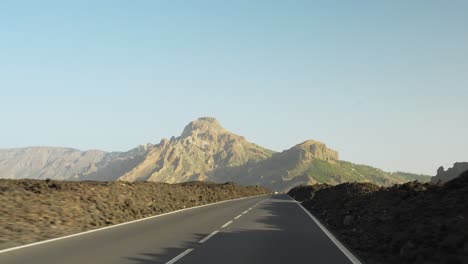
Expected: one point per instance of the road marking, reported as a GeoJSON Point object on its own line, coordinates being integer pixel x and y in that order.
{"type": "Point", "coordinates": [208, 237]}
{"type": "Point", "coordinates": [259, 203]}
{"type": "Point", "coordinates": [121, 224]}
{"type": "Point", "coordinates": [226, 224]}
{"type": "Point", "coordinates": [338, 244]}
{"type": "Point", "coordinates": [237, 217]}
{"type": "Point", "coordinates": [181, 255]}
{"type": "Point", "coordinates": [244, 212]}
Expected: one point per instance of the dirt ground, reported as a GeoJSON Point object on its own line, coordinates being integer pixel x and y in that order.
{"type": "Point", "coordinates": [34, 210]}
{"type": "Point", "coordinates": [408, 223]}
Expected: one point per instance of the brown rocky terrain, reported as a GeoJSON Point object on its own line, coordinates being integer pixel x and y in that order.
{"type": "Point", "coordinates": [409, 223]}
{"type": "Point", "coordinates": [33, 210]}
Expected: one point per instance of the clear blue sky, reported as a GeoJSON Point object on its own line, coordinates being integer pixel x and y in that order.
{"type": "Point", "coordinates": [383, 82]}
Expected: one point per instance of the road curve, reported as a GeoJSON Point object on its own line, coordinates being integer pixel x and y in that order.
{"type": "Point", "coordinates": [264, 229]}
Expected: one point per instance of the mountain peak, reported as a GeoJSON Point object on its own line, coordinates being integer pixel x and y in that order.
{"type": "Point", "coordinates": [202, 125]}
{"type": "Point", "coordinates": [207, 119]}
{"type": "Point", "coordinates": [203, 148]}
{"type": "Point", "coordinates": [317, 150]}
{"type": "Point", "coordinates": [308, 143]}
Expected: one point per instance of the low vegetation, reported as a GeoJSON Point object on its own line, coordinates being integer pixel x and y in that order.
{"type": "Point", "coordinates": [33, 210]}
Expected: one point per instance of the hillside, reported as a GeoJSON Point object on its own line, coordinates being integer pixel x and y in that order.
{"type": "Point", "coordinates": [67, 163]}
{"type": "Point", "coordinates": [310, 162]}
{"type": "Point", "coordinates": [404, 176]}
{"type": "Point", "coordinates": [204, 151]}
{"type": "Point", "coordinates": [47, 162]}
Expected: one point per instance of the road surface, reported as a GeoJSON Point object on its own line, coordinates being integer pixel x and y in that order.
{"type": "Point", "coordinates": [265, 229]}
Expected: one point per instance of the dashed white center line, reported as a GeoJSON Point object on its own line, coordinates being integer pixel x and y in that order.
{"type": "Point", "coordinates": [208, 237]}
{"type": "Point", "coordinates": [226, 224]}
{"type": "Point", "coordinates": [258, 203]}
{"type": "Point", "coordinates": [181, 255]}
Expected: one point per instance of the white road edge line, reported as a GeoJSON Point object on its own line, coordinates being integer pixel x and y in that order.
{"type": "Point", "coordinates": [338, 244]}
{"type": "Point", "coordinates": [181, 255]}
{"type": "Point", "coordinates": [208, 237]}
{"type": "Point", "coordinates": [237, 217]}
{"type": "Point", "coordinates": [226, 224]}
{"type": "Point", "coordinates": [121, 224]}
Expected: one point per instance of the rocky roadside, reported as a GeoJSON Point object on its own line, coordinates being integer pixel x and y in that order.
{"type": "Point", "coordinates": [34, 210]}
{"type": "Point", "coordinates": [408, 223]}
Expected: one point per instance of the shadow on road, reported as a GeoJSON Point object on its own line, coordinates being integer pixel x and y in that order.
{"type": "Point", "coordinates": [276, 231]}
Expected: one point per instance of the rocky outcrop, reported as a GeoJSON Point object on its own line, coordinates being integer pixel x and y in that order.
{"type": "Point", "coordinates": [203, 147]}
{"type": "Point", "coordinates": [312, 149]}
{"type": "Point", "coordinates": [283, 170]}
{"type": "Point", "coordinates": [451, 173]}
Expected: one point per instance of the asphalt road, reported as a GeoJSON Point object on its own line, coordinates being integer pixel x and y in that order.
{"type": "Point", "coordinates": [265, 229]}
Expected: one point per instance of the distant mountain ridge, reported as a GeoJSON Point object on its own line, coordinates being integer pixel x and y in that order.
{"type": "Point", "coordinates": [67, 163]}
{"type": "Point", "coordinates": [205, 151]}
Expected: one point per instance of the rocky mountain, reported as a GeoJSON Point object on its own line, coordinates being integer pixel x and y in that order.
{"type": "Point", "coordinates": [203, 147]}
{"type": "Point", "coordinates": [205, 151]}
{"type": "Point", "coordinates": [451, 173]}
